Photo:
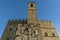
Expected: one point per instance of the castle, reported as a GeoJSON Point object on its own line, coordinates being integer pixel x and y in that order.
{"type": "Point", "coordinates": [31, 28]}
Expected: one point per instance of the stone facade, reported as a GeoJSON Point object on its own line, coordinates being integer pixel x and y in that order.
{"type": "Point", "coordinates": [30, 29]}
{"type": "Point", "coordinates": [48, 31]}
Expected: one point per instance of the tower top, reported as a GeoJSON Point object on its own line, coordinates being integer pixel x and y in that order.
{"type": "Point", "coordinates": [31, 5]}
{"type": "Point", "coordinates": [32, 18]}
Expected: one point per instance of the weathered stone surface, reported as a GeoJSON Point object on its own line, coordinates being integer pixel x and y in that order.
{"type": "Point", "coordinates": [30, 29]}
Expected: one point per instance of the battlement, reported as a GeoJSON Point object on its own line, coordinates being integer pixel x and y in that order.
{"type": "Point", "coordinates": [20, 21]}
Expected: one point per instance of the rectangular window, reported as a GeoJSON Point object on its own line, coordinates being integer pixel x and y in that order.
{"type": "Point", "coordinates": [10, 29]}
{"type": "Point", "coordinates": [7, 38]}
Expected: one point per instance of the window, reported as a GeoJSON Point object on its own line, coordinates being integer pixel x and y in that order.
{"type": "Point", "coordinates": [7, 38]}
{"type": "Point", "coordinates": [14, 38]}
{"type": "Point", "coordinates": [53, 34]}
{"type": "Point", "coordinates": [46, 34]}
{"type": "Point", "coordinates": [31, 5]}
{"type": "Point", "coordinates": [16, 29]}
{"type": "Point", "coordinates": [10, 29]}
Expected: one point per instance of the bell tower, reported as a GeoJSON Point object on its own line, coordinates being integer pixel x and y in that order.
{"type": "Point", "coordinates": [32, 17]}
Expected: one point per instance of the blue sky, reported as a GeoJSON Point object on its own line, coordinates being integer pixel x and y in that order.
{"type": "Point", "coordinates": [18, 9]}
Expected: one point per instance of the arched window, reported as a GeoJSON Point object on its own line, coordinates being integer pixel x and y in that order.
{"type": "Point", "coordinates": [53, 34]}
{"type": "Point", "coordinates": [31, 5]}
{"type": "Point", "coordinates": [46, 34]}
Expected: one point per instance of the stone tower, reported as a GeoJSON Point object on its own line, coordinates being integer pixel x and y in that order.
{"type": "Point", "coordinates": [32, 18]}
{"type": "Point", "coordinates": [30, 29]}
